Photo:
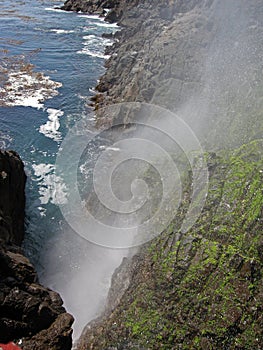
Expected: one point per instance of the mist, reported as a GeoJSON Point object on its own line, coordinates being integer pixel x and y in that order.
{"type": "Point", "coordinates": [81, 272]}
{"type": "Point", "coordinates": [221, 110]}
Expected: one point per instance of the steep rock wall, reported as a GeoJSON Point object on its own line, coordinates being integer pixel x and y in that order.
{"type": "Point", "coordinates": [30, 314]}
{"type": "Point", "coordinates": [201, 290]}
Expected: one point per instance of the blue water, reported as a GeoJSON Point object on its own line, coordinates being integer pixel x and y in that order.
{"type": "Point", "coordinates": [67, 51]}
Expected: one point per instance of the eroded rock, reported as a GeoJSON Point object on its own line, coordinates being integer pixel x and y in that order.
{"type": "Point", "coordinates": [30, 313]}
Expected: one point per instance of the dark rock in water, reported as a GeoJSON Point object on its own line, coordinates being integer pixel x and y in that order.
{"type": "Point", "coordinates": [29, 312]}
{"type": "Point", "coordinates": [12, 197]}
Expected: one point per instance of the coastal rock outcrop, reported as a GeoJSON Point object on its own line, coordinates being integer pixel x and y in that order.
{"type": "Point", "coordinates": [198, 58]}
{"type": "Point", "coordinates": [12, 200]}
{"type": "Point", "coordinates": [31, 315]}
{"type": "Point", "coordinates": [202, 289]}
{"type": "Point", "coordinates": [198, 290]}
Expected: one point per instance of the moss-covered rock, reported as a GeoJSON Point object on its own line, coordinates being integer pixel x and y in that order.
{"type": "Point", "coordinates": [202, 289]}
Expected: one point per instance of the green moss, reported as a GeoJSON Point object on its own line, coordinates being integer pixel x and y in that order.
{"type": "Point", "coordinates": [198, 289]}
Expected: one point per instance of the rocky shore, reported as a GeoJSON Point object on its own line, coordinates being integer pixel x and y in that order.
{"type": "Point", "coordinates": [32, 316]}
{"type": "Point", "coordinates": [198, 290]}
{"type": "Point", "coordinates": [203, 60]}
{"type": "Point", "coordinates": [179, 55]}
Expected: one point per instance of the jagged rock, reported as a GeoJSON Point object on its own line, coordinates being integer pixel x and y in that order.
{"type": "Point", "coordinates": [12, 199]}
{"type": "Point", "coordinates": [203, 290]}
{"type": "Point", "coordinates": [196, 290]}
{"type": "Point", "coordinates": [56, 337]}
{"type": "Point", "coordinates": [30, 313]}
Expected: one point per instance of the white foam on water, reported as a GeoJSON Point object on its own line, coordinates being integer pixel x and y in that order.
{"type": "Point", "coordinates": [95, 46]}
{"type": "Point", "coordinates": [107, 10]}
{"type": "Point", "coordinates": [92, 91]}
{"type": "Point", "coordinates": [27, 88]}
{"type": "Point", "coordinates": [88, 52]}
{"type": "Point", "coordinates": [56, 10]}
{"type": "Point", "coordinates": [90, 37]}
{"type": "Point", "coordinates": [51, 187]}
{"type": "Point", "coordinates": [62, 31]}
{"type": "Point", "coordinates": [50, 129]}
{"type": "Point", "coordinates": [42, 211]}
{"type": "Point", "coordinates": [5, 140]}
{"type": "Point", "coordinates": [97, 40]}
{"type": "Point", "coordinates": [93, 17]}
{"type": "Point", "coordinates": [107, 25]}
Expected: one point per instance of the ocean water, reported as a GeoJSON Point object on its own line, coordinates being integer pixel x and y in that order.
{"type": "Point", "coordinates": [50, 61]}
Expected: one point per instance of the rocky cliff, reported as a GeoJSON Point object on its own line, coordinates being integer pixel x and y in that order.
{"type": "Point", "coordinates": [31, 315]}
{"type": "Point", "coordinates": [203, 289]}
{"type": "Point", "coordinates": [201, 59]}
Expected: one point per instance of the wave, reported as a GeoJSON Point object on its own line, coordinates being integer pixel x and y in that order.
{"type": "Point", "coordinates": [56, 10]}
{"type": "Point", "coordinates": [94, 46]}
{"type": "Point", "coordinates": [100, 22]}
{"type": "Point", "coordinates": [107, 25]}
{"type": "Point", "coordinates": [90, 37]}
{"type": "Point", "coordinates": [62, 31]}
{"type": "Point", "coordinates": [97, 40]}
{"type": "Point", "coordinates": [51, 187]}
{"type": "Point", "coordinates": [27, 88]}
{"type": "Point", "coordinates": [92, 91]}
{"type": "Point", "coordinates": [93, 17]}
{"type": "Point", "coordinates": [86, 51]}
{"type": "Point", "coordinates": [50, 129]}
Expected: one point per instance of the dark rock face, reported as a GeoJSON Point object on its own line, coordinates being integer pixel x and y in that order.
{"type": "Point", "coordinates": [180, 55]}
{"type": "Point", "coordinates": [201, 290]}
{"type": "Point", "coordinates": [117, 8]}
{"type": "Point", "coordinates": [12, 199]}
{"type": "Point", "coordinates": [29, 312]}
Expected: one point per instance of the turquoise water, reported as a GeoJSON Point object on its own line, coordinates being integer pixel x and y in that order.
{"type": "Point", "coordinates": [50, 62]}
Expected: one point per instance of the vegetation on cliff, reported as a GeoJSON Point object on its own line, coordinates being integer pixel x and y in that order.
{"type": "Point", "coordinates": [202, 289]}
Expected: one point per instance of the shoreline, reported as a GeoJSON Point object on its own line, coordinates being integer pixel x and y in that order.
{"type": "Point", "coordinates": [202, 289]}
{"type": "Point", "coordinates": [173, 55]}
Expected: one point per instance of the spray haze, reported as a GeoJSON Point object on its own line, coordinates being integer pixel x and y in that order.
{"type": "Point", "coordinates": [124, 181]}
{"type": "Point", "coordinates": [225, 110]}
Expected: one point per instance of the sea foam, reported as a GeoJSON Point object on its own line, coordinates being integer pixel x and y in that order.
{"type": "Point", "coordinates": [50, 129]}
{"type": "Point", "coordinates": [27, 88]}
{"type": "Point", "coordinates": [51, 187]}
{"type": "Point", "coordinates": [62, 31]}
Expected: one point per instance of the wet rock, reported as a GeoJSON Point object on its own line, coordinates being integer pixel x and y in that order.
{"type": "Point", "coordinates": [56, 337]}
{"type": "Point", "coordinates": [29, 312]}
{"type": "Point", "coordinates": [12, 199]}
{"type": "Point", "coordinates": [201, 290]}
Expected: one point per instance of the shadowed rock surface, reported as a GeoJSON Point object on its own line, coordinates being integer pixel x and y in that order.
{"type": "Point", "coordinates": [202, 289]}
{"type": "Point", "coordinates": [203, 60]}
{"type": "Point", "coordinates": [199, 58]}
{"type": "Point", "coordinates": [29, 312]}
